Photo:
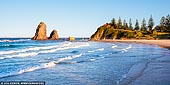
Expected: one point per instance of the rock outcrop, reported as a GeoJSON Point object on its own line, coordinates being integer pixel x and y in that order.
{"type": "Point", "coordinates": [40, 32]}
{"type": "Point", "coordinates": [71, 38]}
{"type": "Point", "coordinates": [110, 32]}
{"type": "Point", "coordinates": [54, 35]}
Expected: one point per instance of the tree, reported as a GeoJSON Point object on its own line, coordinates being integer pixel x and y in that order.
{"type": "Point", "coordinates": [113, 22]}
{"type": "Point", "coordinates": [167, 23]}
{"type": "Point", "coordinates": [119, 24]}
{"type": "Point", "coordinates": [143, 26]}
{"type": "Point", "coordinates": [136, 25]}
{"type": "Point", "coordinates": [124, 24]}
{"type": "Point", "coordinates": [150, 24]}
{"type": "Point", "coordinates": [162, 24]}
{"type": "Point", "coordinates": [130, 24]}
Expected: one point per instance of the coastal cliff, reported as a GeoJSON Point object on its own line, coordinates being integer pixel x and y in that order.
{"type": "Point", "coordinates": [107, 31]}
{"type": "Point", "coordinates": [42, 35]}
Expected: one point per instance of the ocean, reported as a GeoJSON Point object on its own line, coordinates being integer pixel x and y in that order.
{"type": "Point", "coordinates": [82, 62]}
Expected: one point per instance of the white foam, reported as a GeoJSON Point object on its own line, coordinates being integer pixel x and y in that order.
{"type": "Point", "coordinates": [6, 45]}
{"type": "Point", "coordinates": [91, 51]}
{"type": "Point", "coordinates": [67, 44]}
{"type": "Point", "coordinates": [48, 65]}
{"type": "Point", "coordinates": [78, 45]}
{"type": "Point", "coordinates": [114, 46]}
{"type": "Point", "coordinates": [100, 49]}
{"type": "Point", "coordinates": [29, 69]}
{"type": "Point", "coordinates": [21, 55]}
{"type": "Point", "coordinates": [26, 49]}
{"type": "Point", "coordinates": [92, 59]}
{"type": "Point", "coordinates": [126, 49]}
{"type": "Point", "coordinates": [20, 40]}
{"type": "Point", "coordinates": [68, 58]}
{"type": "Point", "coordinates": [73, 62]}
{"type": "Point", "coordinates": [130, 46]}
{"type": "Point", "coordinates": [64, 48]}
{"type": "Point", "coordinates": [24, 53]}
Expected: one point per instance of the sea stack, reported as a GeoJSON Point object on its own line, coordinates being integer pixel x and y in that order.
{"type": "Point", "coordinates": [54, 35]}
{"type": "Point", "coordinates": [40, 32]}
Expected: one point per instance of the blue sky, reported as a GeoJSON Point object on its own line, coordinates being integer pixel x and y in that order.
{"type": "Point", "coordinates": [79, 18]}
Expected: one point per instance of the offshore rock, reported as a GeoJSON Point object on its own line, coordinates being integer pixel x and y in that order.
{"type": "Point", "coordinates": [54, 35]}
{"type": "Point", "coordinates": [40, 32]}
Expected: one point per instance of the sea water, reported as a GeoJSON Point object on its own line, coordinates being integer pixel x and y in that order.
{"type": "Point", "coordinates": [60, 62]}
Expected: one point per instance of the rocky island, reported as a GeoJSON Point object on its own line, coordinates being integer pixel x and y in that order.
{"type": "Point", "coordinates": [42, 35]}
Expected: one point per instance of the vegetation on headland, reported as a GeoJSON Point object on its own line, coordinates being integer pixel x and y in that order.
{"type": "Point", "coordinates": [119, 30]}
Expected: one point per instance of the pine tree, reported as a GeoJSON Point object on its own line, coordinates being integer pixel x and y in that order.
{"type": "Point", "coordinates": [162, 24]}
{"type": "Point", "coordinates": [119, 24]}
{"type": "Point", "coordinates": [167, 23]}
{"type": "Point", "coordinates": [124, 24]}
{"type": "Point", "coordinates": [130, 24]}
{"type": "Point", "coordinates": [143, 26]}
{"type": "Point", "coordinates": [136, 25]}
{"type": "Point", "coordinates": [113, 22]}
{"type": "Point", "coordinates": [150, 24]}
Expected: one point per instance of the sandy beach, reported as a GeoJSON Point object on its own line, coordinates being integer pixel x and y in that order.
{"type": "Point", "coordinates": [161, 43]}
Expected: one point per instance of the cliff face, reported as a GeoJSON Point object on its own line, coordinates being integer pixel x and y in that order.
{"type": "Point", "coordinates": [40, 32]}
{"type": "Point", "coordinates": [54, 35]}
{"type": "Point", "coordinates": [98, 34]}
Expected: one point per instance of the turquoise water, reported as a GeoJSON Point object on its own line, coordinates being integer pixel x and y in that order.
{"type": "Point", "coordinates": [81, 62]}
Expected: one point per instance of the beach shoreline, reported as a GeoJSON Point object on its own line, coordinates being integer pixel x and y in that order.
{"type": "Point", "coordinates": [161, 43]}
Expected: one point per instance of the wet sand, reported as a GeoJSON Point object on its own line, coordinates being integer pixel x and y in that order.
{"type": "Point", "coordinates": [154, 72]}
{"type": "Point", "coordinates": [162, 43]}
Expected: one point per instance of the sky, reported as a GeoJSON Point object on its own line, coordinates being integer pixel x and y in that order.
{"type": "Point", "coordinates": [78, 18]}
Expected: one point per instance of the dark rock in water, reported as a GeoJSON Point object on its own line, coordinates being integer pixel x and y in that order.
{"type": "Point", "coordinates": [54, 35]}
{"type": "Point", "coordinates": [40, 32]}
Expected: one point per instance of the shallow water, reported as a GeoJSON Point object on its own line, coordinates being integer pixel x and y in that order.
{"type": "Point", "coordinates": [85, 63]}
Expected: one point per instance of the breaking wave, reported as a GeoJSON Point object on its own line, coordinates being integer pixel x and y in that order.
{"type": "Point", "coordinates": [20, 55]}
{"type": "Point", "coordinates": [48, 49]}
{"type": "Point", "coordinates": [49, 64]}
{"type": "Point", "coordinates": [26, 49]}
{"type": "Point", "coordinates": [100, 49]}
{"type": "Point", "coordinates": [126, 49]}
{"type": "Point", "coordinates": [20, 40]}
{"type": "Point", "coordinates": [114, 46]}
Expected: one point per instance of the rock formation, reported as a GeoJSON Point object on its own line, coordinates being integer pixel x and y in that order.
{"type": "Point", "coordinates": [71, 38]}
{"type": "Point", "coordinates": [110, 32]}
{"type": "Point", "coordinates": [53, 35]}
{"type": "Point", "coordinates": [40, 32]}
